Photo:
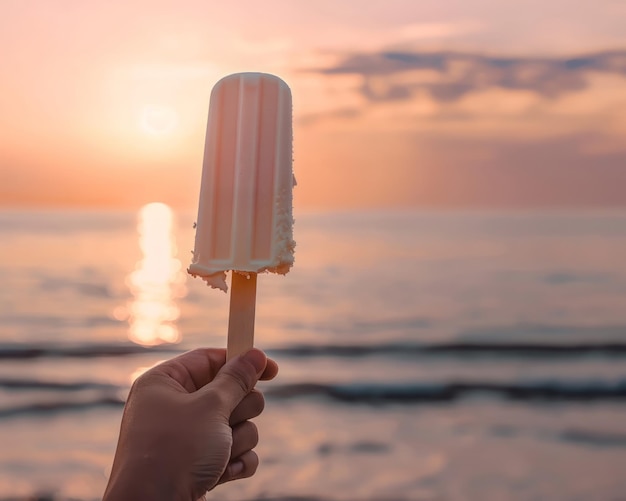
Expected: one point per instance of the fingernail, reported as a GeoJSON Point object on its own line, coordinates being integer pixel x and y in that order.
{"type": "Point", "coordinates": [257, 359]}
{"type": "Point", "coordinates": [236, 468]}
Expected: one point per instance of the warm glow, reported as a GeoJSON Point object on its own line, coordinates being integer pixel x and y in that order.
{"type": "Point", "coordinates": [158, 120]}
{"type": "Point", "coordinates": [401, 104]}
{"type": "Point", "coordinates": [157, 280]}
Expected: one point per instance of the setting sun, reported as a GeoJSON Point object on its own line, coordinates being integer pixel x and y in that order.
{"type": "Point", "coordinates": [158, 120]}
{"type": "Point", "coordinates": [408, 103]}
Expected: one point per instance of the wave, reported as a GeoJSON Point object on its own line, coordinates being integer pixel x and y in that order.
{"type": "Point", "coordinates": [38, 408]}
{"type": "Point", "coordinates": [592, 438]}
{"type": "Point", "coordinates": [56, 321]}
{"type": "Point", "coordinates": [29, 351]}
{"type": "Point", "coordinates": [88, 395]}
{"type": "Point", "coordinates": [509, 349]}
{"type": "Point", "coordinates": [38, 384]}
{"type": "Point", "coordinates": [567, 333]}
{"type": "Point", "coordinates": [81, 287]}
{"type": "Point", "coordinates": [460, 349]}
{"type": "Point", "coordinates": [411, 394]}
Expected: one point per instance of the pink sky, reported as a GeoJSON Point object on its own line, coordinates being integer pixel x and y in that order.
{"type": "Point", "coordinates": [397, 103]}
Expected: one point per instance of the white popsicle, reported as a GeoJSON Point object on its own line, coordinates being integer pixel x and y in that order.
{"type": "Point", "coordinates": [245, 212]}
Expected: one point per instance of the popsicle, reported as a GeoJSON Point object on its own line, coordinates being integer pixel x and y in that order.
{"type": "Point", "coordinates": [245, 221]}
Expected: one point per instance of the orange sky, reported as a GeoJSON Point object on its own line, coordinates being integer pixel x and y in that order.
{"type": "Point", "coordinates": [397, 103]}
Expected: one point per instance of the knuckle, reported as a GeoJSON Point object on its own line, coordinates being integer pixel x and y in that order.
{"type": "Point", "coordinates": [142, 381]}
{"type": "Point", "coordinates": [249, 432]}
{"type": "Point", "coordinates": [258, 402]}
{"type": "Point", "coordinates": [240, 378]}
{"type": "Point", "coordinates": [252, 463]}
{"type": "Point", "coordinates": [215, 399]}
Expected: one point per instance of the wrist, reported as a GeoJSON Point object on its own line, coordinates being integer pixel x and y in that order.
{"type": "Point", "coordinates": [142, 479]}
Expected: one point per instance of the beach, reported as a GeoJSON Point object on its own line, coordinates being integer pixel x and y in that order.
{"type": "Point", "coordinates": [424, 355]}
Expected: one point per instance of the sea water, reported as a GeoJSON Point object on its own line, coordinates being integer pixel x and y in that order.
{"type": "Point", "coordinates": [424, 355]}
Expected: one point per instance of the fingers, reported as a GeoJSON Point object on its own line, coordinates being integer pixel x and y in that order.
{"type": "Point", "coordinates": [250, 407]}
{"type": "Point", "coordinates": [194, 369]}
{"type": "Point", "coordinates": [271, 370]}
{"type": "Point", "coordinates": [242, 467]}
{"type": "Point", "coordinates": [237, 378]}
{"type": "Point", "coordinates": [253, 403]}
{"type": "Point", "coordinates": [245, 438]}
{"type": "Point", "coordinates": [244, 462]}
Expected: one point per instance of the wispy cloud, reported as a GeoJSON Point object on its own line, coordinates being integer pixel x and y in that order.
{"type": "Point", "coordinates": [448, 76]}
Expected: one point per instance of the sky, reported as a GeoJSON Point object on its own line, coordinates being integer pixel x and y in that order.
{"type": "Point", "coordinates": [397, 103]}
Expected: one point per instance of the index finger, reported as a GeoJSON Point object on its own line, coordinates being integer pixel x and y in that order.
{"type": "Point", "coordinates": [197, 368]}
{"type": "Point", "coordinates": [193, 369]}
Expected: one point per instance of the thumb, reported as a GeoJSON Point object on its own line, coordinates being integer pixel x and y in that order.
{"type": "Point", "coordinates": [237, 378]}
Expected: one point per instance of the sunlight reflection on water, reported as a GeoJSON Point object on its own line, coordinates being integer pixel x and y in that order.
{"type": "Point", "coordinates": [157, 281]}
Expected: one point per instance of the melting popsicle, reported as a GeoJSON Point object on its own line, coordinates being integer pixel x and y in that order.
{"type": "Point", "coordinates": [245, 212]}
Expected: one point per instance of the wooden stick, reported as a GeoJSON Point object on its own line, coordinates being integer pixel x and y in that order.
{"type": "Point", "coordinates": [241, 315]}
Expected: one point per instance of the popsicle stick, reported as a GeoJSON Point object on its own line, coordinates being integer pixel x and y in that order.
{"type": "Point", "coordinates": [241, 315]}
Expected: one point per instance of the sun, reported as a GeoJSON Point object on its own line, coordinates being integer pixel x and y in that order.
{"type": "Point", "coordinates": [158, 120]}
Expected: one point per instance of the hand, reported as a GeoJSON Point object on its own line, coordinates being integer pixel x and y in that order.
{"type": "Point", "coordinates": [185, 426]}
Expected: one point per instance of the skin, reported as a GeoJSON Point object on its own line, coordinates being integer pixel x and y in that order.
{"type": "Point", "coordinates": [186, 429]}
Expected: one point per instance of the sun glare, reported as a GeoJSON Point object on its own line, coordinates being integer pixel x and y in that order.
{"type": "Point", "coordinates": [157, 280]}
{"type": "Point", "coordinates": [157, 120]}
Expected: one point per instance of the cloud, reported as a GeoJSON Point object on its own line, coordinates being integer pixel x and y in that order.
{"type": "Point", "coordinates": [452, 129]}
{"type": "Point", "coordinates": [448, 76]}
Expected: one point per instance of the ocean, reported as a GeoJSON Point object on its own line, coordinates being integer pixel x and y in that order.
{"type": "Point", "coordinates": [424, 355]}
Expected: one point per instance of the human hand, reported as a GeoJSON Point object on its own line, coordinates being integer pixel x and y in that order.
{"type": "Point", "coordinates": [186, 427]}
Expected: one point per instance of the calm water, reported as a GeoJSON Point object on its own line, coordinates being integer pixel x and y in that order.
{"type": "Point", "coordinates": [424, 356]}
